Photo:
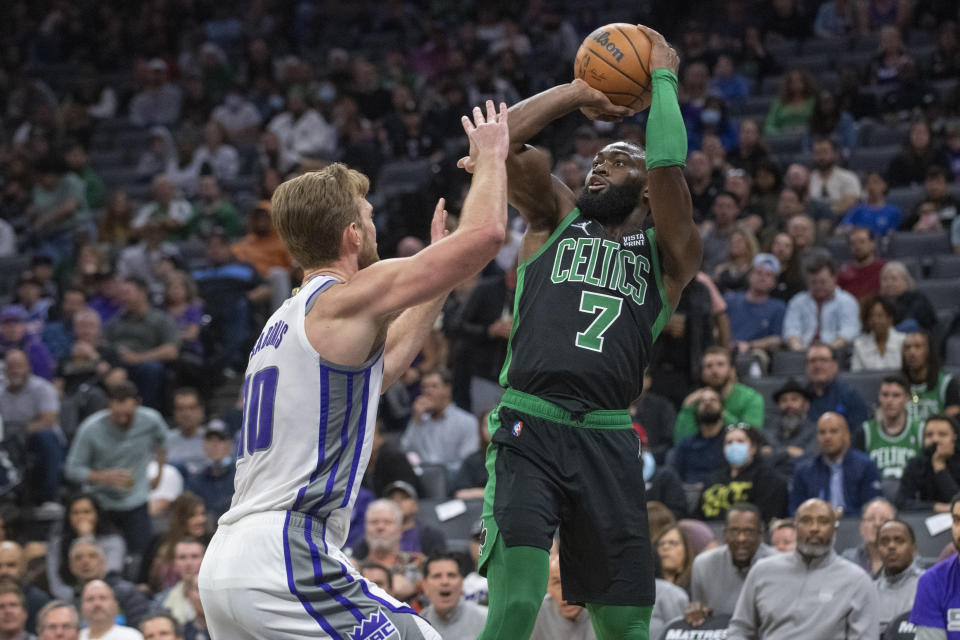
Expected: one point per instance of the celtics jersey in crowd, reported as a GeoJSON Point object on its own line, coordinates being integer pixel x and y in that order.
{"type": "Point", "coordinates": [891, 453]}
{"type": "Point", "coordinates": [925, 402]}
{"type": "Point", "coordinates": [586, 313]}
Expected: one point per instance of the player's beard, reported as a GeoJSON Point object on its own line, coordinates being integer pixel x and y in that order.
{"type": "Point", "coordinates": [814, 550]}
{"type": "Point", "coordinates": [611, 206]}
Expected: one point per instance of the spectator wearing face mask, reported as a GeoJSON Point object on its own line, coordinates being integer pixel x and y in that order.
{"type": "Point", "coordinates": [745, 477]}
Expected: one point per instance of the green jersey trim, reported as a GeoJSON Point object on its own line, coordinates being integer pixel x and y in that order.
{"type": "Point", "coordinates": [870, 425]}
{"type": "Point", "coordinates": [665, 308]}
{"type": "Point", "coordinates": [518, 293]}
{"type": "Point", "coordinates": [537, 407]}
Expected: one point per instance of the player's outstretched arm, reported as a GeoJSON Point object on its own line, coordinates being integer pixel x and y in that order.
{"type": "Point", "coordinates": [541, 199]}
{"type": "Point", "coordinates": [407, 334]}
{"type": "Point", "coordinates": [390, 286]}
{"type": "Point", "coordinates": [666, 151]}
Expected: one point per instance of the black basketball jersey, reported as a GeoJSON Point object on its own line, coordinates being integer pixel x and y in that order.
{"type": "Point", "coordinates": [586, 313]}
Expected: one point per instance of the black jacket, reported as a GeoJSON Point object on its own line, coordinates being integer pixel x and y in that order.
{"type": "Point", "coordinates": [920, 487]}
{"type": "Point", "coordinates": [757, 484]}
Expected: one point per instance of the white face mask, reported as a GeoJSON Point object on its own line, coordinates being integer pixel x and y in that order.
{"type": "Point", "coordinates": [649, 465]}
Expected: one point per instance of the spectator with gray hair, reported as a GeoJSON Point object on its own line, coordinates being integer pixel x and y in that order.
{"type": "Point", "coordinates": [914, 310]}
{"type": "Point", "coordinates": [88, 563]}
{"type": "Point", "coordinates": [58, 620]}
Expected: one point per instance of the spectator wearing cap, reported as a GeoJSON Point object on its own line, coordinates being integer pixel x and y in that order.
{"type": "Point", "coordinates": [30, 409]}
{"type": "Point", "coordinates": [263, 248]}
{"type": "Point", "coordinates": [931, 479]}
{"type": "Point", "coordinates": [301, 131]}
{"type": "Point", "coordinates": [808, 593]}
{"type": "Point", "coordinates": [874, 213]}
{"type": "Point", "coordinates": [880, 347]}
{"type": "Point", "coordinates": [145, 338]}
{"type": "Point", "coordinates": [792, 436]}
{"type": "Point", "coordinates": [416, 538]}
{"type": "Point", "coordinates": [231, 290]}
{"type": "Point", "coordinates": [845, 477]}
{"type": "Point", "coordinates": [110, 453]}
{"type": "Point", "coordinates": [14, 335]}
{"type": "Point", "coordinates": [159, 101]}
{"type": "Point", "coordinates": [214, 481]}
{"type": "Point", "coordinates": [756, 319]}
{"type": "Point", "coordinates": [166, 209]}
{"type": "Point", "coordinates": [57, 209]}
{"type": "Point", "coordinates": [897, 581]}
{"type": "Point", "coordinates": [824, 313]}
{"type": "Point", "coordinates": [744, 477]}
{"type": "Point", "coordinates": [212, 212]}
{"type": "Point", "coordinates": [740, 402]}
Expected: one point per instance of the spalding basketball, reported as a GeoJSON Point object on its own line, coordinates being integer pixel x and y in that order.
{"type": "Point", "coordinates": [615, 59]}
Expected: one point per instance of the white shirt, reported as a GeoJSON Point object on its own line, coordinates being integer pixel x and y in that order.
{"type": "Point", "coordinates": [116, 632]}
{"type": "Point", "coordinates": [866, 354]}
{"type": "Point", "coordinates": [308, 135]}
{"type": "Point", "coordinates": [838, 317]}
{"type": "Point", "coordinates": [839, 184]}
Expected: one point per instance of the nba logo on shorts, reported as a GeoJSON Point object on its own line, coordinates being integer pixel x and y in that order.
{"type": "Point", "coordinates": [517, 428]}
{"type": "Point", "coordinates": [376, 627]}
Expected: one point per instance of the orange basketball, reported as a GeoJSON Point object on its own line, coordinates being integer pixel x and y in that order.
{"type": "Point", "coordinates": [615, 59]}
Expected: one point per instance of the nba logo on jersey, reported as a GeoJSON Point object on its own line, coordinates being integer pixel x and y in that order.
{"type": "Point", "coordinates": [517, 428]}
{"type": "Point", "coordinates": [377, 627]}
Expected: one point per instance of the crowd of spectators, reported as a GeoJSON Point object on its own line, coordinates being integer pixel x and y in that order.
{"type": "Point", "coordinates": [808, 372]}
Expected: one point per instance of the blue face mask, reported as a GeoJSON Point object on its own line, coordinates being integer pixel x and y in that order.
{"type": "Point", "coordinates": [736, 453]}
{"type": "Point", "coordinates": [649, 465]}
{"type": "Point", "coordinates": [710, 116]}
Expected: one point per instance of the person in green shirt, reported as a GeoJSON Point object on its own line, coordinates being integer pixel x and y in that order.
{"type": "Point", "coordinates": [791, 110]}
{"type": "Point", "coordinates": [891, 438]}
{"type": "Point", "coordinates": [740, 402]}
{"type": "Point", "coordinates": [212, 212]}
{"type": "Point", "coordinates": [79, 163]}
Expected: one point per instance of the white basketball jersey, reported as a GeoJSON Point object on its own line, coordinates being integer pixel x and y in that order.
{"type": "Point", "coordinates": [307, 423]}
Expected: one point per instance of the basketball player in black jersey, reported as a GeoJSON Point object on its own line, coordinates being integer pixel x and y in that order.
{"type": "Point", "coordinates": [595, 287]}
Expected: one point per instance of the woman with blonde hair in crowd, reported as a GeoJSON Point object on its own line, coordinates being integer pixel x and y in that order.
{"type": "Point", "coordinates": [731, 275]}
{"type": "Point", "coordinates": [914, 310]}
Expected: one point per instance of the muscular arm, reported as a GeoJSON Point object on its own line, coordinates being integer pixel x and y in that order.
{"type": "Point", "coordinates": [677, 235]}
{"type": "Point", "coordinates": [406, 336]}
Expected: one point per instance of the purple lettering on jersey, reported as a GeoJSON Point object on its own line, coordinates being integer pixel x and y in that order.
{"type": "Point", "coordinates": [271, 337]}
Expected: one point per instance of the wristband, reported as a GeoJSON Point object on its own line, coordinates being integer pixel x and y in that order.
{"type": "Point", "coordinates": [666, 133]}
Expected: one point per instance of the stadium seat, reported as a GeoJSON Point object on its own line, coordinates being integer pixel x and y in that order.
{"type": "Point", "coordinates": [433, 479]}
{"type": "Point", "coordinates": [457, 529]}
{"type": "Point", "coordinates": [788, 363]}
{"type": "Point", "coordinates": [10, 270]}
{"type": "Point", "coordinates": [866, 383]}
{"type": "Point", "coordinates": [953, 351]}
{"type": "Point", "coordinates": [905, 198]}
{"type": "Point", "coordinates": [908, 243]}
{"type": "Point", "coordinates": [872, 158]}
{"type": "Point", "coordinates": [783, 144]}
{"type": "Point", "coordinates": [927, 546]}
{"type": "Point", "coordinates": [946, 266]}
{"type": "Point", "coordinates": [399, 178]}
{"type": "Point", "coordinates": [767, 385]}
{"type": "Point", "coordinates": [838, 248]}
{"type": "Point", "coordinates": [944, 294]}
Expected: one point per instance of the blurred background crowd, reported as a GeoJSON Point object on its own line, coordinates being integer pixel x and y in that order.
{"type": "Point", "coordinates": [814, 356]}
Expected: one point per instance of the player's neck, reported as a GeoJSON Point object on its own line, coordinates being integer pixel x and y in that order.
{"type": "Point", "coordinates": [339, 270]}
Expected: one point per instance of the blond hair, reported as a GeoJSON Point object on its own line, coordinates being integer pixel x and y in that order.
{"type": "Point", "coordinates": [311, 211]}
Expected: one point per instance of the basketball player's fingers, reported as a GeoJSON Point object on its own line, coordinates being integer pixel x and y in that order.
{"type": "Point", "coordinates": [502, 116]}
{"type": "Point", "coordinates": [655, 36]}
{"type": "Point", "coordinates": [491, 111]}
{"type": "Point", "coordinates": [467, 124]}
{"type": "Point", "coordinates": [478, 116]}
{"type": "Point", "coordinates": [466, 164]}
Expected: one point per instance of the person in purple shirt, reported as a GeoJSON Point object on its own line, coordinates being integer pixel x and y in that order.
{"type": "Point", "coordinates": [13, 335]}
{"type": "Point", "coordinates": [936, 607]}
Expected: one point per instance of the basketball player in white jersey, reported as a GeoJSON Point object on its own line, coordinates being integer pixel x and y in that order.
{"type": "Point", "coordinates": [274, 569]}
